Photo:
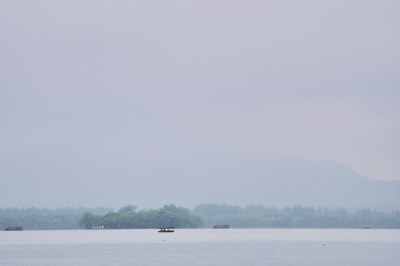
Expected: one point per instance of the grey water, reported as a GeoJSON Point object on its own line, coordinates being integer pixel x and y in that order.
{"type": "Point", "coordinates": [202, 247]}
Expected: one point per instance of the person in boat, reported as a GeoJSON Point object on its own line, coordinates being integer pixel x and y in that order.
{"type": "Point", "coordinates": [166, 230]}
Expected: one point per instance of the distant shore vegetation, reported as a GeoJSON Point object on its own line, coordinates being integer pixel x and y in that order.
{"type": "Point", "coordinates": [128, 218]}
{"type": "Point", "coordinates": [45, 219]}
{"type": "Point", "coordinates": [258, 216]}
{"type": "Point", "coordinates": [202, 216]}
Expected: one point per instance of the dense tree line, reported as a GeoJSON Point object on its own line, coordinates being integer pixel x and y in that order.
{"type": "Point", "coordinates": [258, 216]}
{"type": "Point", "coordinates": [45, 219]}
{"type": "Point", "coordinates": [205, 215]}
{"type": "Point", "coordinates": [127, 218]}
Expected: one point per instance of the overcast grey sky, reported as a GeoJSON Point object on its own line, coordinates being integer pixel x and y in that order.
{"type": "Point", "coordinates": [313, 79]}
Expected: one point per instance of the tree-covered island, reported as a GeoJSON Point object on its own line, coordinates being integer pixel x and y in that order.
{"type": "Point", "coordinates": [202, 216]}
{"type": "Point", "coordinates": [128, 218]}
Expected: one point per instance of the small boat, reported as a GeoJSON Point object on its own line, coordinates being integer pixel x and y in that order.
{"type": "Point", "coordinates": [14, 228]}
{"type": "Point", "coordinates": [221, 226]}
{"type": "Point", "coordinates": [166, 230]}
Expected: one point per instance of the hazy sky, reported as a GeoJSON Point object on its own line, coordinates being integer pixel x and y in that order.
{"type": "Point", "coordinates": [313, 79]}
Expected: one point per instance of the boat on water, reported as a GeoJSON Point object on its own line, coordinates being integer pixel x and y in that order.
{"type": "Point", "coordinates": [166, 230]}
{"type": "Point", "coordinates": [221, 226]}
{"type": "Point", "coordinates": [14, 228]}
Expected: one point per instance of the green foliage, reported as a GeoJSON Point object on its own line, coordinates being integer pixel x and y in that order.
{"type": "Point", "coordinates": [168, 216]}
{"type": "Point", "coordinates": [207, 215]}
{"type": "Point", "coordinates": [127, 209]}
{"type": "Point", "coordinates": [45, 219]}
{"type": "Point", "coordinates": [258, 216]}
{"type": "Point", "coordinates": [88, 220]}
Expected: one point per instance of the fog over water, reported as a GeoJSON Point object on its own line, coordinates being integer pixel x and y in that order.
{"type": "Point", "coordinates": [108, 103]}
{"type": "Point", "coordinates": [201, 246]}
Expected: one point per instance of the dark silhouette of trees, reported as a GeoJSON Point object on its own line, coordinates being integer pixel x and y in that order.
{"type": "Point", "coordinates": [258, 216]}
{"type": "Point", "coordinates": [127, 218]}
{"type": "Point", "coordinates": [204, 215]}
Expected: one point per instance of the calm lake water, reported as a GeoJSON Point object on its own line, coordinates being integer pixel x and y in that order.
{"type": "Point", "coordinates": [202, 247]}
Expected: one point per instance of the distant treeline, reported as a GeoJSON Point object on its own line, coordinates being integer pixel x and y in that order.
{"type": "Point", "coordinates": [128, 218]}
{"type": "Point", "coordinates": [258, 216]}
{"type": "Point", "coordinates": [45, 219]}
{"type": "Point", "coordinates": [205, 215]}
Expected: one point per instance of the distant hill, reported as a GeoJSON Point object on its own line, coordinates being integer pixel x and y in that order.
{"type": "Point", "coordinates": [271, 180]}
{"type": "Point", "coordinates": [286, 181]}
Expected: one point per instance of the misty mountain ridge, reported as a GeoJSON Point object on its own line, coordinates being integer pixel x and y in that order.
{"type": "Point", "coordinates": [270, 180]}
